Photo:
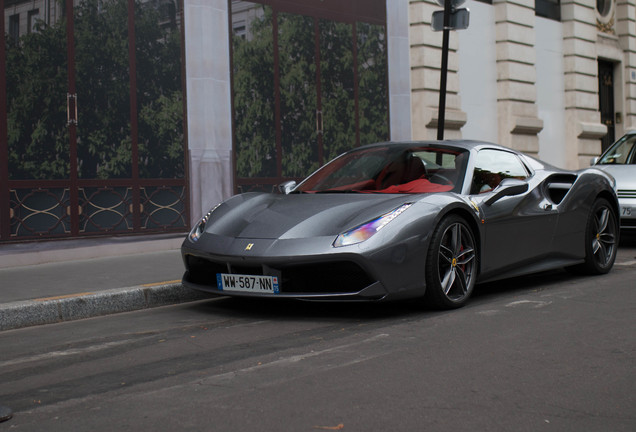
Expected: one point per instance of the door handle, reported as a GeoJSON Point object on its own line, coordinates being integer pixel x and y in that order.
{"type": "Point", "coordinates": [319, 123]}
{"type": "Point", "coordinates": [71, 109]}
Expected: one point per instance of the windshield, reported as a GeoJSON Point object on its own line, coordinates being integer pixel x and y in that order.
{"type": "Point", "coordinates": [391, 169]}
{"type": "Point", "coordinates": [622, 152]}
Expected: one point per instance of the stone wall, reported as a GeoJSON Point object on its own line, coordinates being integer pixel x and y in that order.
{"type": "Point", "coordinates": [585, 37]}
{"type": "Point", "coordinates": [516, 75]}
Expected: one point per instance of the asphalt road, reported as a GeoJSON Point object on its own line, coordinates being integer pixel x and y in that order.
{"type": "Point", "coordinates": [551, 352]}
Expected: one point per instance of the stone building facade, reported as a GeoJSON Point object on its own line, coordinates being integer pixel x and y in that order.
{"type": "Point", "coordinates": [527, 81]}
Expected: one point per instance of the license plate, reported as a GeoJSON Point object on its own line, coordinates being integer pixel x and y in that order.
{"type": "Point", "coordinates": [628, 212]}
{"type": "Point", "coordinates": [247, 283]}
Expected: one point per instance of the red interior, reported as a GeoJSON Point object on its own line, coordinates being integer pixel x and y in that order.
{"type": "Point", "coordinates": [416, 186]}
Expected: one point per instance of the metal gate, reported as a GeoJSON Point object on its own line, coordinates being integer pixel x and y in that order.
{"type": "Point", "coordinates": [91, 134]}
{"type": "Point", "coordinates": [309, 81]}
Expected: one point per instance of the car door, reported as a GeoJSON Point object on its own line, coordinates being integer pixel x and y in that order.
{"type": "Point", "coordinates": [518, 229]}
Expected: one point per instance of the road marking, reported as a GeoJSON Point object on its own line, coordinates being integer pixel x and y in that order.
{"type": "Point", "coordinates": [56, 354]}
{"type": "Point", "coordinates": [63, 296]}
{"type": "Point", "coordinates": [283, 361]}
{"type": "Point", "coordinates": [535, 304]}
{"type": "Point", "coordinates": [161, 283]}
{"type": "Point", "coordinates": [626, 263]}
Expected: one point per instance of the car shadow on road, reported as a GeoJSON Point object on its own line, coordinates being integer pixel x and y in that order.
{"type": "Point", "coordinates": [628, 239]}
{"type": "Point", "coordinates": [289, 309]}
{"type": "Point", "coordinates": [349, 311]}
{"type": "Point", "coordinates": [492, 291]}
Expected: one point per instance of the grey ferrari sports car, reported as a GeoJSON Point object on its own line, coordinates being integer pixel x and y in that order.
{"type": "Point", "coordinates": [405, 220]}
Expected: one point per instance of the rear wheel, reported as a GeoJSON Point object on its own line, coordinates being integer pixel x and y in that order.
{"type": "Point", "coordinates": [451, 264]}
{"type": "Point", "coordinates": [601, 239]}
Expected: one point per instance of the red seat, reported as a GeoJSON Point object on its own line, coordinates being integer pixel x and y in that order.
{"type": "Point", "coordinates": [417, 186]}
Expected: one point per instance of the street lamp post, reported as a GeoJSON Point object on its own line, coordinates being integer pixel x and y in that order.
{"type": "Point", "coordinates": [441, 115]}
{"type": "Point", "coordinates": [449, 19]}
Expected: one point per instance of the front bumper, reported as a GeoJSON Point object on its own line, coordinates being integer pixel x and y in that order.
{"type": "Point", "coordinates": [627, 209]}
{"type": "Point", "coordinates": [378, 269]}
{"type": "Point", "coordinates": [327, 280]}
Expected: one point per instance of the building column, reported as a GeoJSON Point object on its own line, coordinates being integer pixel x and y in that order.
{"type": "Point", "coordinates": [208, 104]}
{"type": "Point", "coordinates": [426, 61]}
{"type": "Point", "coordinates": [516, 75]}
{"type": "Point", "coordinates": [583, 128]}
{"type": "Point", "coordinates": [397, 17]}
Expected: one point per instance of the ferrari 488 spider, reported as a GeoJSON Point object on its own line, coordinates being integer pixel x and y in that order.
{"type": "Point", "coordinates": [403, 220]}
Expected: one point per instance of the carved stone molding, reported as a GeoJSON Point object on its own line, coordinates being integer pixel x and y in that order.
{"type": "Point", "coordinates": [526, 126]}
{"type": "Point", "coordinates": [605, 16]}
{"type": "Point", "coordinates": [591, 130]}
{"type": "Point", "coordinates": [606, 27]}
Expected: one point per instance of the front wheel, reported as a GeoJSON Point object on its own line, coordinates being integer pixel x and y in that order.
{"type": "Point", "coordinates": [601, 239]}
{"type": "Point", "coordinates": [451, 264]}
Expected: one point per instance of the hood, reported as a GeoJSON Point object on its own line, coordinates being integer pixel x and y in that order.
{"type": "Point", "coordinates": [625, 175]}
{"type": "Point", "coordinates": [272, 216]}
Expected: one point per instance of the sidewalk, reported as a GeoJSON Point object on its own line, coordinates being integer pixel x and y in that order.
{"type": "Point", "coordinates": [54, 281]}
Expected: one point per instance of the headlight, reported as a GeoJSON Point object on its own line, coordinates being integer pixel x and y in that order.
{"type": "Point", "coordinates": [198, 230]}
{"type": "Point", "coordinates": [365, 231]}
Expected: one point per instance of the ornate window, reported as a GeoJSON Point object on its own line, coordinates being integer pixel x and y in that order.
{"type": "Point", "coordinates": [604, 7]}
{"type": "Point", "coordinates": [605, 10]}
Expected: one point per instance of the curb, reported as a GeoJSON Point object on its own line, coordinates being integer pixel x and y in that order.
{"type": "Point", "coordinates": [87, 305]}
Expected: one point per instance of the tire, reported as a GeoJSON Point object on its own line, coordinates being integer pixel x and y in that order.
{"type": "Point", "coordinates": [451, 264]}
{"type": "Point", "coordinates": [601, 239]}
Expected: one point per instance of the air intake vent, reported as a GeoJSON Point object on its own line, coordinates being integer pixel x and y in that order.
{"type": "Point", "coordinates": [558, 187]}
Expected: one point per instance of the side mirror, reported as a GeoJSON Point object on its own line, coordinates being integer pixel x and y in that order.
{"type": "Point", "coordinates": [594, 160]}
{"type": "Point", "coordinates": [287, 187]}
{"type": "Point", "coordinates": [507, 187]}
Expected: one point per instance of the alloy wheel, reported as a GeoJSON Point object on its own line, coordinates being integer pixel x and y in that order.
{"type": "Point", "coordinates": [456, 263]}
{"type": "Point", "coordinates": [604, 236]}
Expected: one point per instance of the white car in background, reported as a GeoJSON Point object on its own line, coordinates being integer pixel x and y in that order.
{"type": "Point", "coordinates": [620, 161]}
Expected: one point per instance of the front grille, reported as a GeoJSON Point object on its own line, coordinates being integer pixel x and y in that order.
{"type": "Point", "coordinates": [327, 277]}
{"type": "Point", "coordinates": [626, 193]}
{"type": "Point", "coordinates": [202, 271]}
